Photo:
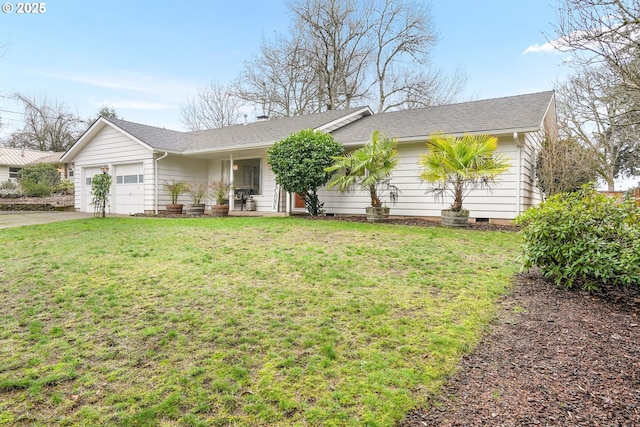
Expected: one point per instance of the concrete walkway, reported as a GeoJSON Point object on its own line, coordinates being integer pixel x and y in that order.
{"type": "Point", "coordinates": [10, 219]}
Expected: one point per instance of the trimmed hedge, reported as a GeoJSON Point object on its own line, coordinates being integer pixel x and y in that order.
{"type": "Point", "coordinates": [583, 238]}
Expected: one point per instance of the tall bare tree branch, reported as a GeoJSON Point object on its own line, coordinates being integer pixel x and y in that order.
{"type": "Point", "coordinates": [48, 125]}
{"type": "Point", "coordinates": [215, 106]}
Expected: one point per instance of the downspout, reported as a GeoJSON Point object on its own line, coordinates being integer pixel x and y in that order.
{"type": "Point", "coordinates": [155, 183]}
{"type": "Point", "coordinates": [231, 189]}
{"type": "Point", "coordinates": [518, 174]}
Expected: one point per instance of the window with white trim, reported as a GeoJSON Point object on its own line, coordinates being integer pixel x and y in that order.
{"type": "Point", "coordinates": [13, 173]}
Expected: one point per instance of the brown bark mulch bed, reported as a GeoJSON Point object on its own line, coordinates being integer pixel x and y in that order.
{"type": "Point", "coordinates": [416, 221]}
{"type": "Point", "coordinates": [554, 357]}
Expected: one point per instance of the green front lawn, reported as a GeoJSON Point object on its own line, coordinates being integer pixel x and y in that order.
{"type": "Point", "coordinates": [238, 321]}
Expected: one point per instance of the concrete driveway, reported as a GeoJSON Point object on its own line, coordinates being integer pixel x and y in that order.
{"type": "Point", "coordinates": [9, 219]}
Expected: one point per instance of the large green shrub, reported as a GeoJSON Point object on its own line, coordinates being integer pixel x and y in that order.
{"type": "Point", "coordinates": [39, 180]}
{"type": "Point", "coordinates": [299, 162]}
{"type": "Point", "coordinates": [36, 189]}
{"type": "Point", "coordinates": [41, 173]}
{"type": "Point", "coordinates": [583, 238]}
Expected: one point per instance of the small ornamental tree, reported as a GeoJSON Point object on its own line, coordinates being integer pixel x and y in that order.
{"type": "Point", "coordinates": [100, 186]}
{"type": "Point", "coordinates": [299, 162]}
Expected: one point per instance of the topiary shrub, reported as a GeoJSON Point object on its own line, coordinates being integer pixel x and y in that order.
{"type": "Point", "coordinates": [583, 238]}
{"type": "Point", "coordinates": [299, 162]}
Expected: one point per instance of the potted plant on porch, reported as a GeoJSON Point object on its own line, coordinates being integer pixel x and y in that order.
{"type": "Point", "coordinates": [459, 165]}
{"type": "Point", "coordinates": [175, 189]}
{"type": "Point", "coordinates": [370, 168]}
{"type": "Point", "coordinates": [197, 190]}
{"type": "Point", "coordinates": [220, 193]}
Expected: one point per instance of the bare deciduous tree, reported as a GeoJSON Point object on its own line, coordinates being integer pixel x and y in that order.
{"type": "Point", "coordinates": [402, 36]}
{"type": "Point", "coordinates": [281, 81]}
{"type": "Point", "coordinates": [564, 165]}
{"type": "Point", "coordinates": [594, 108]}
{"type": "Point", "coordinates": [335, 34]}
{"type": "Point", "coordinates": [342, 52]}
{"type": "Point", "coordinates": [602, 32]}
{"type": "Point", "coordinates": [48, 125]}
{"type": "Point", "coordinates": [215, 106]}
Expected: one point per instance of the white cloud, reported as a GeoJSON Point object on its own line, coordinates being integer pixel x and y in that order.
{"type": "Point", "coordinates": [537, 48]}
{"type": "Point", "coordinates": [553, 46]}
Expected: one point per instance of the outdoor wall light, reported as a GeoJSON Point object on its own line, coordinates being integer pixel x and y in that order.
{"type": "Point", "coordinates": [235, 167]}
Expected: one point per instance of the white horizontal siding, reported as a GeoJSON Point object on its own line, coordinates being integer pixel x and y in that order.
{"type": "Point", "coordinates": [177, 168]}
{"type": "Point", "coordinates": [4, 173]}
{"type": "Point", "coordinates": [112, 147]}
{"type": "Point", "coordinates": [415, 199]}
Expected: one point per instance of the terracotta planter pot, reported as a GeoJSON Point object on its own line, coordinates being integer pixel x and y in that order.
{"type": "Point", "coordinates": [454, 218]}
{"type": "Point", "coordinates": [174, 209]}
{"type": "Point", "coordinates": [220, 210]}
{"type": "Point", "coordinates": [197, 209]}
{"type": "Point", "coordinates": [379, 214]}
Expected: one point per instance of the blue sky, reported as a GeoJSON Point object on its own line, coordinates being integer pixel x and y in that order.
{"type": "Point", "coordinates": [147, 58]}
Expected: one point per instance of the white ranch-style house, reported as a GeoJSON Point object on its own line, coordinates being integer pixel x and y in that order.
{"type": "Point", "coordinates": [143, 158]}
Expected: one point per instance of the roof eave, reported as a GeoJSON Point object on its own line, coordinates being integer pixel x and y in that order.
{"type": "Point", "coordinates": [92, 131]}
{"type": "Point", "coordinates": [422, 138]}
{"type": "Point", "coordinates": [229, 148]}
{"type": "Point", "coordinates": [336, 124]}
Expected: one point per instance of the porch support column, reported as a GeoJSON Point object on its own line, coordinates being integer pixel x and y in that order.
{"type": "Point", "coordinates": [288, 204]}
{"type": "Point", "coordinates": [231, 192]}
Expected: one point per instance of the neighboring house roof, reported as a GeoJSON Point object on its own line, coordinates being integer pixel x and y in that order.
{"type": "Point", "coordinates": [23, 157]}
{"type": "Point", "coordinates": [499, 115]}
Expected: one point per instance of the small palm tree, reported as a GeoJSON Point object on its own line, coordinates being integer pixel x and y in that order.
{"type": "Point", "coordinates": [459, 165]}
{"type": "Point", "coordinates": [368, 167]}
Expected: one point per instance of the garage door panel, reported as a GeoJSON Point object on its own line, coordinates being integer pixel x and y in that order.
{"type": "Point", "coordinates": [128, 189]}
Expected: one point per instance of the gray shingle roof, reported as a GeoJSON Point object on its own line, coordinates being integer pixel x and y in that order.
{"type": "Point", "coordinates": [267, 132]}
{"type": "Point", "coordinates": [263, 132]}
{"type": "Point", "coordinates": [496, 115]}
{"type": "Point", "coordinates": [160, 138]}
{"type": "Point", "coordinates": [491, 116]}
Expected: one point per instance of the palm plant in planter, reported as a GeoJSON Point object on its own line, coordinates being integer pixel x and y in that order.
{"type": "Point", "coordinates": [459, 165]}
{"type": "Point", "coordinates": [369, 167]}
{"type": "Point", "coordinates": [175, 189]}
{"type": "Point", "coordinates": [220, 192]}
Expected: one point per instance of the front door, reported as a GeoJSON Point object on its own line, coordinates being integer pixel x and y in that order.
{"type": "Point", "coordinates": [298, 202]}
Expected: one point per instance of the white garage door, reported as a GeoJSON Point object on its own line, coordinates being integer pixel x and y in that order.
{"type": "Point", "coordinates": [86, 188]}
{"type": "Point", "coordinates": [128, 197]}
